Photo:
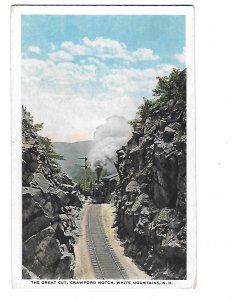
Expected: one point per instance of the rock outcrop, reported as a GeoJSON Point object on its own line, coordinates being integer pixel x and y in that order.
{"type": "Point", "coordinates": [151, 199]}
{"type": "Point", "coordinates": [51, 205]}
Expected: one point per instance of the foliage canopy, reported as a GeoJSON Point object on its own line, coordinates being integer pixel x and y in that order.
{"type": "Point", "coordinates": [52, 155]}
{"type": "Point", "coordinates": [168, 87]}
{"type": "Point", "coordinates": [172, 86]}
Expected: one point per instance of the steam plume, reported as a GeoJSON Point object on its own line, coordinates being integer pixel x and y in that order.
{"type": "Point", "coordinates": [98, 172]}
{"type": "Point", "coordinates": [108, 138]}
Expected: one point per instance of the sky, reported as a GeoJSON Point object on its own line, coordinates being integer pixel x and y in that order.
{"type": "Point", "coordinates": [79, 70]}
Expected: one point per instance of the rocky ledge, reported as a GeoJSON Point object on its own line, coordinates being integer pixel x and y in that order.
{"type": "Point", "coordinates": [51, 206]}
{"type": "Point", "coordinates": [151, 197]}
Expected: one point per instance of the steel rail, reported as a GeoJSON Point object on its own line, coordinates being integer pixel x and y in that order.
{"type": "Point", "coordinates": [92, 245]}
{"type": "Point", "coordinates": [117, 263]}
{"type": "Point", "coordinates": [105, 262]}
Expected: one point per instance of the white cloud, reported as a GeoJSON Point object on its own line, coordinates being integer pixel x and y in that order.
{"type": "Point", "coordinates": [72, 98]}
{"type": "Point", "coordinates": [53, 93]}
{"type": "Point", "coordinates": [47, 75]}
{"type": "Point", "coordinates": [32, 70]}
{"type": "Point", "coordinates": [69, 76]}
{"type": "Point", "coordinates": [34, 49]}
{"type": "Point", "coordinates": [105, 48]}
{"type": "Point", "coordinates": [144, 54]}
{"type": "Point", "coordinates": [74, 116]}
{"type": "Point", "coordinates": [121, 55]}
{"type": "Point", "coordinates": [75, 49]}
{"type": "Point", "coordinates": [94, 61]}
{"type": "Point", "coordinates": [102, 44]}
{"type": "Point", "coordinates": [181, 56]}
{"type": "Point", "coordinates": [131, 80]}
{"type": "Point", "coordinates": [63, 97]}
{"type": "Point", "coordinates": [60, 56]}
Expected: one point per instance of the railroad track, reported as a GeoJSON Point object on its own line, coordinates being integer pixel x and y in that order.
{"type": "Point", "coordinates": [105, 263]}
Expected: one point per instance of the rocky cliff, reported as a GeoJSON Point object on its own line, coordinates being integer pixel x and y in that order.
{"type": "Point", "coordinates": [151, 199]}
{"type": "Point", "coordinates": [50, 210]}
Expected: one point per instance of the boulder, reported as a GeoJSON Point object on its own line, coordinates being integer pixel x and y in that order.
{"type": "Point", "coordinates": [66, 187]}
{"type": "Point", "coordinates": [26, 274]}
{"type": "Point", "coordinates": [66, 179]}
{"type": "Point", "coordinates": [39, 181]}
{"type": "Point", "coordinates": [143, 199]}
{"type": "Point", "coordinates": [31, 209]}
{"type": "Point", "coordinates": [133, 186]}
{"type": "Point", "coordinates": [35, 194]}
{"type": "Point", "coordinates": [51, 207]}
{"type": "Point", "coordinates": [171, 246]}
{"type": "Point", "coordinates": [35, 225]}
{"type": "Point", "coordinates": [66, 266]}
{"type": "Point", "coordinates": [55, 200]}
{"type": "Point", "coordinates": [75, 200]}
{"type": "Point", "coordinates": [61, 198]}
{"type": "Point", "coordinates": [41, 252]}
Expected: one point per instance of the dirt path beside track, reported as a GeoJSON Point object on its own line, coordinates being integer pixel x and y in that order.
{"type": "Point", "coordinates": [84, 269]}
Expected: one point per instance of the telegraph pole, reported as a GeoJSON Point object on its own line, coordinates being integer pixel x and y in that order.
{"type": "Point", "coordinates": [85, 166]}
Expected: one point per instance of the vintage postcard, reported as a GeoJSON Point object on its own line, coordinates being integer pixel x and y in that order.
{"type": "Point", "coordinates": [103, 140]}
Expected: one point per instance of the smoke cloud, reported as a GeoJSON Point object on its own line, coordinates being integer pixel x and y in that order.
{"type": "Point", "coordinates": [108, 138]}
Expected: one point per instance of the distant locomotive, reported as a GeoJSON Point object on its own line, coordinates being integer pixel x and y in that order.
{"type": "Point", "coordinates": [102, 188]}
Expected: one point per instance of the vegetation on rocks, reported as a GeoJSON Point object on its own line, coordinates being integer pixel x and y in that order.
{"type": "Point", "coordinates": [151, 196]}
{"type": "Point", "coordinates": [168, 87]}
{"type": "Point", "coordinates": [51, 204]}
{"type": "Point", "coordinates": [52, 155]}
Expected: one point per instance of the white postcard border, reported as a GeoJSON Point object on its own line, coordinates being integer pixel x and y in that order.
{"type": "Point", "coordinates": [17, 12]}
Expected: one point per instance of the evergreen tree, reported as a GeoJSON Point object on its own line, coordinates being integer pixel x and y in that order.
{"type": "Point", "coordinates": [52, 155]}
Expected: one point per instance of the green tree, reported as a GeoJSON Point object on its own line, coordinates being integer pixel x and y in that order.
{"type": "Point", "coordinates": [86, 178]}
{"type": "Point", "coordinates": [52, 155]}
{"type": "Point", "coordinates": [171, 87]}
{"type": "Point", "coordinates": [145, 109]}
{"type": "Point", "coordinates": [37, 127]}
{"type": "Point", "coordinates": [168, 87]}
